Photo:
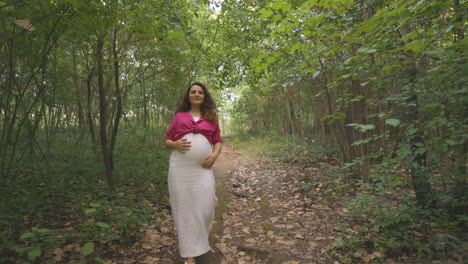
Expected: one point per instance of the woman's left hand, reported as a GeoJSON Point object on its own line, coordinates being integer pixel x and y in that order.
{"type": "Point", "coordinates": [209, 161]}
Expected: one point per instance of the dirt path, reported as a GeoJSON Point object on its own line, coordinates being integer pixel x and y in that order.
{"type": "Point", "coordinates": [262, 217]}
{"type": "Point", "coordinates": [267, 219]}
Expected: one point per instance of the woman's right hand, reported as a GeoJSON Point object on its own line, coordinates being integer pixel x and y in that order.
{"type": "Point", "coordinates": [182, 145]}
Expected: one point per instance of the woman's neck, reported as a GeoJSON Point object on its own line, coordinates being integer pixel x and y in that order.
{"type": "Point", "coordinates": [195, 110]}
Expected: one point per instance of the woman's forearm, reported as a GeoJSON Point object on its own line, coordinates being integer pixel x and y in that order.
{"type": "Point", "coordinates": [217, 148]}
{"type": "Point", "coordinates": [170, 144]}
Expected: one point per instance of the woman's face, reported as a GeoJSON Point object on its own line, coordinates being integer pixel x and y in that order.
{"type": "Point", "coordinates": [196, 95]}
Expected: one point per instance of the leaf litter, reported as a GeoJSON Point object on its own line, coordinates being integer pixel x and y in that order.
{"type": "Point", "coordinates": [268, 220]}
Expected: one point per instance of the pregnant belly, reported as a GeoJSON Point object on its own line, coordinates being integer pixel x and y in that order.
{"type": "Point", "coordinates": [200, 148]}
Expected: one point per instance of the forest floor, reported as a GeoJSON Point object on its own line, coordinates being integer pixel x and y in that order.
{"type": "Point", "coordinates": [262, 217]}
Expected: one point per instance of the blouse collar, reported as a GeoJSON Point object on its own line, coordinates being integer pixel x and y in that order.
{"type": "Point", "coordinates": [193, 118]}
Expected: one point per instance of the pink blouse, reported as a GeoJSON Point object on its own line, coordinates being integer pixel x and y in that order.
{"type": "Point", "coordinates": [183, 124]}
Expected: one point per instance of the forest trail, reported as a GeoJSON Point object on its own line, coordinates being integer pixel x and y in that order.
{"type": "Point", "coordinates": [265, 218]}
{"type": "Point", "coordinates": [261, 217]}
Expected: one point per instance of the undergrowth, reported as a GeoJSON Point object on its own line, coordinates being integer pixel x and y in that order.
{"type": "Point", "coordinates": [381, 222]}
{"type": "Point", "coordinates": [56, 206]}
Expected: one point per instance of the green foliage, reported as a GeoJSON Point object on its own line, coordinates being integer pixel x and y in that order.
{"type": "Point", "coordinates": [401, 232]}
{"type": "Point", "coordinates": [115, 218]}
{"type": "Point", "coordinates": [69, 190]}
{"type": "Point", "coordinates": [36, 242]}
{"type": "Point", "coordinates": [386, 219]}
{"type": "Point", "coordinates": [383, 81]}
{"type": "Point", "coordinates": [87, 248]}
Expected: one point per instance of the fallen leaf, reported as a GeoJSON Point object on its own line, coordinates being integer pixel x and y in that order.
{"type": "Point", "coordinates": [377, 254]}
{"type": "Point", "coordinates": [251, 240]}
{"type": "Point", "coordinates": [58, 252]}
{"type": "Point", "coordinates": [220, 246]}
{"type": "Point", "coordinates": [299, 235]}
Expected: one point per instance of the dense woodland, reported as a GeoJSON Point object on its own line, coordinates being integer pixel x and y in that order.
{"type": "Point", "coordinates": [88, 87]}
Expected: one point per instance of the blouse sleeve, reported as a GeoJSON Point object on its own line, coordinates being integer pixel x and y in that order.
{"type": "Point", "coordinates": [217, 135]}
{"type": "Point", "coordinates": [171, 132]}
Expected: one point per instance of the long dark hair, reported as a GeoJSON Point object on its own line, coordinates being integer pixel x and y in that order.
{"type": "Point", "coordinates": [208, 107]}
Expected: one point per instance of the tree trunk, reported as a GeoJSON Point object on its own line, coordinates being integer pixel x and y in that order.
{"type": "Point", "coordinates": [419, 176]}
{"type": "Point", "coordinates": [89, 107]}
{"type": "Point", "coordinates": [79, 106]}
{"type": "Point", "coordinates": [103, 117]}
{"type": "Point", "coordinates": [118, 96]}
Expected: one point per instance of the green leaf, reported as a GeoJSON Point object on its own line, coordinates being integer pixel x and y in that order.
{"type": "Point", "coordinates": [387, 68]}
{"type": "Point", "coordinates": [34, 253]}
{"type": "Point", "coordinates": [340, 115]}
{"type": "Point", "coordinates": [412, 131]}
{"type": "Point", "coordinates": [367, 50]}
{"type": "Point", "coordinates": [100, 260]}
{"type": "Point", "coordinates": [255, 60]}
{"type": "Point", "coordinates": [409, 36]}
{"type": "Point", "coordinates": [449, 28]}
{"type": "Point", "coordinates": [420, 151]}
{"type": "Point", "coordinates": [345, 76]}
{"type": "Point", "coordinates": [44, 231]}
{"type": "Point", "coordinates": [87, 249]}
{"type": "Point", "coordinates": [352, 163]}
{"type": "Point", "coordinates": [277, 54]}
{"type": "Point", "coordinates": [286, 7]}
{"type": "Point", "coordinates": [27, 235]}
{"type": "Point", "coordinates": [103, 225]}
{"type": "Point", "coordinates": [319, 94]}
{"type": "Point", "coordinates": [393, 122]}
{"type": "Point", "coordinates": [90, 210]}
{"type": "Point", "coordinates": [362, 141]}
{"type": "Point", "coordinates": [278, 4]}
{"type": "Point", "coordinates": [271, 59]}
{"type": "Point", "coordinates": [267, 13]}
{"type": "Point", "coordinates": [415, 46]}
{"type": "Point", "coordinates": [287, 48]}
{"type": "Point", "coordinates": [364, 128]}
{"type": "Point", "coordinates": [450, 142]}
{"type": "Point", "coordinates": [277, 17]}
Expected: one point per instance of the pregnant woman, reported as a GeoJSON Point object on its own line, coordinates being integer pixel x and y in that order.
{"type": "Point", "coordinates": [194, 136]}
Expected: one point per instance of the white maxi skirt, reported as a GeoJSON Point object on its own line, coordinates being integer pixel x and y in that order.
{"type": "Point", "coordinates": [192, 196]}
